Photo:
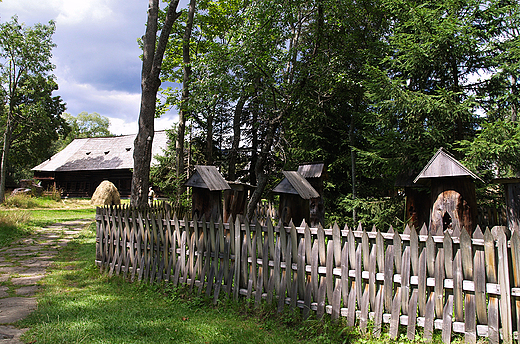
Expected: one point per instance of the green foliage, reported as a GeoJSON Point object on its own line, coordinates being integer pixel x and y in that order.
{"type": "Point", "coordinates": [82, 126]}
{"type": "Point", "coordinates": [29, 113]}
{"type": "Point", "coordinates": [373, 89]}
{"type": "Point", "coordinates": [495, 150]}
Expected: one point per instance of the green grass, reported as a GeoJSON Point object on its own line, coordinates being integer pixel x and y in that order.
{"type": "Point", "coordinates": [17, 221]}
{"type": "Point", "coordinates": [80, 305]}
{"type": "Point", "coordinates": [13, 225]}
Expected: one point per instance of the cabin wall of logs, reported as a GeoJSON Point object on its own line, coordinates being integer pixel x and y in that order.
{"type": "Point", "coordinates": [449, 283]}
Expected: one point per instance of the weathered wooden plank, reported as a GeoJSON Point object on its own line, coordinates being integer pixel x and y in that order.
{"type": "Point", "coordinates": [203, 252]}
{"type": "Point", "coordinates": [214, 246]}
{"type": "Point", "coordinates": [322, 291]}
{"type": "Point", "coordinates": [155, 249]}
{"type": "Point", "coordinates": [414, 252]}
{"type": "Point", "coordinates": [358, 275]}
{"type": "Point", "coordinates": [412, 315]}
{"type": "Point", "coordinates": [135, 251]}
{"type": "Point", "coordinates": [429, 317]}
{"type": "Point", "coordinates": [372, 277]}
{"type": "Point", "coordinates": [182, 271]}
{"type": "Point", "coordinates": [430, 255]}
{"type": "Point", "coordinates": [307, 298]}
{"type": "Point", "coordinates": [301, 269]}
{"type": "Point", "coordinates": [191, 260]}
{"type": "Point", "coordinates": [329, 269]}
{"type": "Point", "coordinates": [314, 269]}
{"type": "Point", "coordinates": [405, 279]}
{"type": "Point", "coordinates": [394, 319]}
{"type": "Point", "coordinates": [388, 277]}
{"type": "Point", "coordinates": [228, 264]}
{"type": "Point", "coordinates": [294, 243]}
{"type": "Point", "coordinates": [140, 245]}
{"type": "Point", "coordinates": [260, 281]}
{"type": "Point", "coordinates": [447, 320]}
{"type": "Point", "coordinates": [378, 312]}
{"type": "Point", "coordinates": [237, 239]}
{"type": "Point", "coordinates": [321, 244]}
{"type": "Point", "coordinates": [457, 287]}
{"type": "Point", "coordinates": [170, 247]}
{"type": "Point", "coordinates": [336, 237]}
{"type": "Point", "coordinates": [363, 315]}
{"type": "Point", "coordinates": [505, 291]}
{"type": "Point", "coordinates": [344, 274]}
{"type": "Point", "coordinates": [421, 297]}
{"type": "Point", "coordinates": [308, 244]}
{"type": "Point", "coordinates": [351, 310]}
{"type": "Point", "coordinates": [398, 245]}
{"type": "Point", "coordinates": [365, 250]}
{"type": "Point", "coordinates": [336, 302]}
{"type": "Point", "coordinates": [281, 294]}
{"type": "Point", "coordinates": [470, 324]}
{"type": "Point", "coordinates": [439, 283]}
{"type": "Point", "coordinates": [515, 262]}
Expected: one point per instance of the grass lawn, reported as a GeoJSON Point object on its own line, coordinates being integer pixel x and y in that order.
{"type": "Point", "coordinates": [80, 305]}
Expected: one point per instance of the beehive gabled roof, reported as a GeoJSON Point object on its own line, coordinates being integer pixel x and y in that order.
{"type": "Point", "coordinates": [100, 153]}
{"type": "Point", "coordinates": [443, 165]}
{"type": "Point", "coordinates": [294, 183]}
{"type": "Point", "coordinates": [312, 170]}
{"type": "Point", "coordinates": [207, 177]}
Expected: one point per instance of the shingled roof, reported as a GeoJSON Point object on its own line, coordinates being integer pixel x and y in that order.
{"type": "Point", "coordinates": [100, 153]}
{"type": "Point", "coordinates": [443, 164]}
{"type": "Point", "coordinates": [312, 170]}
{"type": "Point", "coordinates": [207, 177]}
{"type": "Point", "coordinates": [294, 183]}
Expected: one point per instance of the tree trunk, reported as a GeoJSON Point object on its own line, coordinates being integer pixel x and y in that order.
{"type": "Point", "coordinates": [209, 139]}
{"type": "Point", "coordinates": [261, 175]}
{"type": "Point", "coordinates": [5, 153]}
{"type": "Point", "coordinates": [152, 60]}
{"type": "Point", "coordinates": [236, 137]}
{"type": "Point", "coordinates": [183, 113]}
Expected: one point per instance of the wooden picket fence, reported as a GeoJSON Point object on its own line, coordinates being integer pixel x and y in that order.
{"type": "Point", "coordinates": [453, 283]}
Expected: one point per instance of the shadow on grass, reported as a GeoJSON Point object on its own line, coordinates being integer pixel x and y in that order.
{"type": "Point", "coordinates": [78, 304]}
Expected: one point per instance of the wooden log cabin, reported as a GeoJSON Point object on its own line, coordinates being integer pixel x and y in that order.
{"type": "Point", "coordinates": [207, 186]}
{"type": "Point", "coordinates": [295, 193]}
{"type": "Point", "coordinates": [452, 198]}
{"type": "Point", "coordinates": [80, 167]}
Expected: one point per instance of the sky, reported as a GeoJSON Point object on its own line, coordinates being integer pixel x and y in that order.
{"type": "Point", "coordinates": [98, 68]}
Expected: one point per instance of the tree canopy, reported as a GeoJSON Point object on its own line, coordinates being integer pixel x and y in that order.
{"type": "Point", "coordinates": [372, 88]}
{"type": "Point", "coordinates": [29, 112]}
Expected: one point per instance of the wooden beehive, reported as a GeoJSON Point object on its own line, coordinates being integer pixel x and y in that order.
{"type": "Point", "coordinates": [295, 193]}
{"type": "Point", "coordinates": [207, 184]}
{"type": "Point", "coordinates": [235, 200]}
{"type": "Point", "coordinates": [314, 174]}
{"type": "Point", "coordinates": [452, 193]}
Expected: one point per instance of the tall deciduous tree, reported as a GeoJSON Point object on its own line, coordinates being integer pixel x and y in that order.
{"type": "Point", "coordinates": [26, 83]}
{"type": "Point", "coordinates": [186, 59]}
{"type": "Point", "coordinates": [153, 53]}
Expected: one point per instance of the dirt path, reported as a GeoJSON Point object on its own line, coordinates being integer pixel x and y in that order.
{"type": "Point", "coordinates": [22, 265]}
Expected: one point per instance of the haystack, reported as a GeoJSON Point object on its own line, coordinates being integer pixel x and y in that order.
{"type": "Point", "coordinates": [106, 194]}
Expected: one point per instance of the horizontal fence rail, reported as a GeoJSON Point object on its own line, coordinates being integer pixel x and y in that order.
{"type": "Point", "coordinates": [455, 283]}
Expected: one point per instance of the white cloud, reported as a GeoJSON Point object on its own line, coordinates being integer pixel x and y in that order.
{"type": "Point", "coordinates": [67, 12]}
{"type": "Point", "coordinates": [120, 126]}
